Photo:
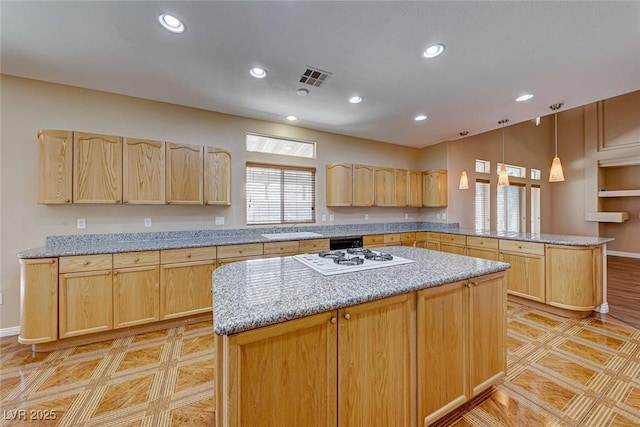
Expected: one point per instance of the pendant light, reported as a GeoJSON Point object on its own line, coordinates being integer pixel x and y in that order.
{"type": "Point", "coordinates": [503, 177]}
{"type": "Point", "coordinates": [556, 174]}
{"type": "Point", "coordinates": [464, 181]}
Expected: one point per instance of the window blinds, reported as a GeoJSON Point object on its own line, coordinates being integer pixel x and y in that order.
{"type": "Point", "coordinates": [511, 208]}
{"type": "Point", "coordinates": [482, 205]}
{"type": "Point", "coordinates": [535, 209]}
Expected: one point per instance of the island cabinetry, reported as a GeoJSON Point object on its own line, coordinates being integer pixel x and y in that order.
{"type": "Point", "coordinates": [401, 184]}
{"type": "Point", "coordinates": [86, 295]}
{"type": "Point", "coordinates": [415, 189]}
{"type": "Point", "coordinates": [372, 241]}
{"type": "Point", "coordinates": [143, 172]}
{"type": "Point", "coordinates": [217, 176]}
{"type": "Point", "coordinates": [482, 247]}
{"type": "Point", "coordinates": [574, 277]}
{"type": "Point", "coordinates": [363, 185]}
{"type": "Point", "coordinates": [56, 167]}
{"type": "Point", "coordinates": [339, 184]}
{"type": "Point", "coordinates": [526, 277]}
{"type": "Point", "coordinates": [313, 246]}
{"type": "Point", "coordinates": [136, 288]}
{"type": "Point", "coordinates": [97, 168]}
{"type": "Point", "coordinates": [453, 243]}
{"type": "Point", "coordinates": [38, 300]}
{"type": "Point", "coordinates": [385, 186]}
{"type": "Point", "coordinates": [184, 174]}
{"type": "Point", "coordinates": [185, 281]}
{"type": "Point", "coordinates": [434, 188]}
{"type": "Point", "coordinates": [233, 253]}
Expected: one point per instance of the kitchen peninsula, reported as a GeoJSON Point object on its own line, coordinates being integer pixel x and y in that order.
{"type": "Point", "coordinates": [388, 346]}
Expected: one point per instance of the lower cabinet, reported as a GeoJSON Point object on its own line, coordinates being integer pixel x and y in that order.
{"type": "Point", "coordinates": [85, 302]}
{"type": "Point", "coordinates": [38, 300]}
{"type": "Point", "coordinates": [136, 296]}
{"type": "Point", "coordinates": [526, 277]}
{"type": "Point", "coordinates": [185, 288]}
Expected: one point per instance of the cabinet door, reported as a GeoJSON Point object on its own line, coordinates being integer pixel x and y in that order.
{"type": "Point", "coordinates": [385, 187]}
{"type": "Point", "coordinates": [143, 172]}
{"type": "Point", "coordinates": [97, 168]}
{"type": "Point", "coordinates": [56, 149]}
{"type": "Point", "coordinates": [452, 248]}
{"type": "Point", "coordinates": [184, 172]}
{"type": "Point", "coordinates": [434, 188]}
{"type": "Point", "coordinates": [401, 187]}
{"type": "Point", "coordinates": [85, 303]}
{"type": "Point", "coordinates": [487, 331]}
{"type": "Point", "coordinates": [376, 386]}
{"type": "Point", "coordinates": [136, 296]}
{"type": "Point", "coordinates": [442, 318]}
{"type": "Point", "coordinates": [339, 184]}
{"type": "Point", "coordinates": [38, 300]}
{"type": "Point", "coordinates": [217, 176]}
{"type": "Point", "coordinates": [185, 289]}
{"type": "Point", "coordinates": [268, 366]}
{"type": "Point", "coordinates": [363, 185]}
{"type": "Point", "coordinates": [573, 277]}
{"type": "Point", "coordinates": [526, 276]}
{"type": "Point", "coordinates": [415, 189]}
{"type": "Point", "coordinates": [490, 254]}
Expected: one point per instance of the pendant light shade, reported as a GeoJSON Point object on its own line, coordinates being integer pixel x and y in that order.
{"type": "Point", "coordinates": [464, 181]}
{"type": "Point", "coordinates": [556, 174]}
{"type": "Point", "coordinates": [503, 177]}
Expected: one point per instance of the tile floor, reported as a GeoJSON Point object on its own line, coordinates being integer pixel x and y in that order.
{"type": "Point", "coordinates": [561, 372]}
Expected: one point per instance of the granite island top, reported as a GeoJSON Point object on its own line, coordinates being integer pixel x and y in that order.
{"type": "Point", "coordinates": [91, 244]}
{"type": "Point", "coordinates": [255, 293]}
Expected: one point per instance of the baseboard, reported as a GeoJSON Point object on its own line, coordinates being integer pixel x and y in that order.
{"type": "Point", "coordinates": [623, 254]}
{"type": "Point", "coordinates": [8, 332]}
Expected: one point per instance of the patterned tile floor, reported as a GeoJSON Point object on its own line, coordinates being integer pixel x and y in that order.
{"type": "Point", "coordinates": [561, 372]}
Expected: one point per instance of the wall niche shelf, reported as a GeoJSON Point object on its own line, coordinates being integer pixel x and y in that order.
{"type": "Point", "coordinates": [607, 216]}
{"type": "Point", "coordinates": [619, 193]}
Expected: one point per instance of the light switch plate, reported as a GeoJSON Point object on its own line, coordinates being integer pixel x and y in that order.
{"type": "Point", "coordinates": [1, 299]}
{"type": "Point", "coordinates": [219, 220]}
{"type": "Point", "coordinates": [331, 217]}
{"type": "Point", "coordinates": [324, 217]}
{"type": "Point", "coordinates": [147, 222]}
{"type": "Point", "coordinates": [81, 223]}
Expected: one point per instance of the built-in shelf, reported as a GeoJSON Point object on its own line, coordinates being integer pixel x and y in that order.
{"type": "Point", "coordinates": [607, 216]}
{"type": "Point", "coordinates": [619, 193]}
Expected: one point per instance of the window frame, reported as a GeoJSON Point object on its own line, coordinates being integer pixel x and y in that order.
{"type": "Point", "coordinates": [284, 139]}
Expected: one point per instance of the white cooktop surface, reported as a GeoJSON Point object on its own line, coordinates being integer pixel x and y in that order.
{"type": "Point", "coordinates": [328, 267]}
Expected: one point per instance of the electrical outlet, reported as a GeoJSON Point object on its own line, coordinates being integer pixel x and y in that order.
{"type": "Point", "coordinates": [331, 217]}
{"type": "Point", "coordinates": [406, 216]}
{"type": "Point", "coordinates": [81, 223]}
{"type": "Point", "coordinates": [147, 222]}
{"type": "Point", "coordinates": [438, 216]}
{"type": "Point", "coordinates": [219, 220]}
{"type": "Point", "coordinates": [366, 217]}
{"type": "Point", "coordinates": [444, 216]}
{"type": "Point", "coordinates": [324, 217]}
{"type": "Point", "coordinates": [1, 299]}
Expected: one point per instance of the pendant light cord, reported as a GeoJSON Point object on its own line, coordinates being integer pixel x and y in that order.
{"type": "Point", "coordinates": [556, 131]}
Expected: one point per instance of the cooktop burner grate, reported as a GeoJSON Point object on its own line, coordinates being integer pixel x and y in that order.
{"type": "Point", "coordinates": [331, 254]}
{"type": "Point", "coordinates": [349, 261]}
{"type": "Point", "coordinates": [380, 256]}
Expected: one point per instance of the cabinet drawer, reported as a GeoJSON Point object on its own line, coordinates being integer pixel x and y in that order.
{"type": "Point", "coordinates": [373, 240]}
{"type": "Point", "coordinates": [391, 238]}
{"type": "Point", "coordinates": [234, 251]}
{"type": "Point", "coordinates": [274, 248]}
{"type": "Point", "coordinates": [170, 256]}
{"type": "Point", "coordinates": [433, 236]}
{"type": "Point", "coordinates": [314, 245]}
{"type": "Point", "coordinates": [71, 264]}
{"type": "Point", "coordinates": [407, 237]}
{"type": "Point", "coordinates": [135, 259]}
{"type": "Point", "coordinates": [522, 247]}
{"type": "Point", "coordinates": [453, 238]}
{"type": "Point", "coordinates": [421, 236]}
{"type": "Point", "coordinates": [482, 242]}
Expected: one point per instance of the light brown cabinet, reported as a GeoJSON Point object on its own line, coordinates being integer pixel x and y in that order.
{"type": "Point", "coordinates": [339, 184]}
{"type": "Point", "coordinates": [385, 187]}
{"type": "Point", "coordinates": [483, 247]}
{"type": "Point", "coordinates": [526, 277]}
{"type": "Point", "coordinates": [143, 172]}
{"type": "Point", "coordinates": [136, 288]}
{"type": "Point", "coordinates": [38, 300]}
{"type": "Point", "coordinates": [401, 177]}
{"type": "Point", "coordinates": [184, 174]}
{"type": "Point", "coordinates": [415, 189]}
{"type": "Point", "coordinates": [434, 188]}
{"type": "Point", "coordinates": [363, 185]}
{"type": "Point", "coordinates": [97, 168]}
{"type": "Point", "coordinates": [453, 243]}
{"type": "Point", "coordinates": [217, 176]}
{"type": "Point", "coordinates": [313, 246]}
{"type": "Point", "coordinates": [56, 166]}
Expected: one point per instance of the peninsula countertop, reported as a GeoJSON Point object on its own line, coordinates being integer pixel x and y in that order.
{"type": "Point", "coordinates": [255, 293]}
{"type": "Point", "coordinates": [91, 244]}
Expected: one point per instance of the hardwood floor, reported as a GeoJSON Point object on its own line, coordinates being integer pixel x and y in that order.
{"type": "Point", "coordinates": [623, 276]}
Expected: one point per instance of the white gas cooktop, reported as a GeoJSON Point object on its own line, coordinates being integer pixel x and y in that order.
{"type": "Point", "coordinates": [349, 260]}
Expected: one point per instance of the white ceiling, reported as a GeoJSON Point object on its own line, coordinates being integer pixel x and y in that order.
{"type": "Point", "coordinates": [574, 52]}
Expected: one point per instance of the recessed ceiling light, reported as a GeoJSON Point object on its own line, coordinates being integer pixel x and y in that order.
{"type": "Point", "coordinates": [433, 51]}
{"type": "Point", "coordinates": [291, 118]}
{"type": "Point", "coordinates": [355, 99]}
{"type": "Point", "coordinates": [302, 91]}
{"type": "Point", "coordinates": [171, 23]}
{"type": "Point", "coordinates": [525, 97]}
{"type": "Point", "coordinates": [420, 117]}
{"type": "Point", "coordinates": [258, 73]}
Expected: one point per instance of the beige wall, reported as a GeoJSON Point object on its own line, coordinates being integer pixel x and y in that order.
{"type": "Point", "coordinates": [29, 105]}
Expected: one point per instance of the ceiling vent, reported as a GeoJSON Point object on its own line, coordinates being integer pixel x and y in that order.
{"type": "Point", "coordinates": [314, 77]}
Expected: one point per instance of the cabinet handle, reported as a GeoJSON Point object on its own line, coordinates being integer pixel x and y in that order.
{"type": "Point", "coordinates": [86, 263]}
{"type": "Point", "coordinates": [519, 247]}
{"type": "Point", "coordinates": [347, 316]}
{"type": "Point", "coordinates": [107, 273]}
{"type": "Point", "coordinates": [468, 285]}
{"type": "Point", "coordinates": [168, 202]}
{"type": "Point", "coordinates": [117, 201]}
{"type": "Point", "coordinates": [334, 320]}
{"type": "Point", "coordinates": [188, 255]}
{"type": "Point", "coordinates": [240, 251]}
{"type": "Point", "coordinates": [67, 201]}
{"type": "Point", "coordinates": [115, 273]}
{"type": "Point", "coordinates": [474, 283]}
{"type": "Point", "coordinates": [125, 201]}
{"type": "Point", "coordinates": [53, 261]}
{"type": "Point", "coordinates": [136, 259]}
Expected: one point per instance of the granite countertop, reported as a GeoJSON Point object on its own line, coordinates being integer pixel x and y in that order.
{"type": "Point", "coordinates": [90, 244]}
{"type": "Point", "coordinates": [256, 293]}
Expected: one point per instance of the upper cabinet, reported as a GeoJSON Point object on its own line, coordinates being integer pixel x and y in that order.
{"type": "Point", "coordinates": [217, 176]}
{"type": "Point", "coordinates": [434, 188]}
{"type": "Point", "coordinates": [339, 184]}
{"type": "Point", "coordinates": [385, 189]}
{"type": "Point", "coordinates": [415, 189]}
{"type": "Point", "coordinates": [401, 177]}
{"type": "Point", "coordinates": [56, 153]}
{"type": "Point", "coordinates": [143, 172]}
{"type": "Point", "coordinates": [97, 168]}
{"type": "Point", "coordinates": [184, 174]}
{"type": "Point", "coordinates": [363, 185]}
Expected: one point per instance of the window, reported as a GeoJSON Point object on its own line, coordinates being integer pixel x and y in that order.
{"type": "Point", "coordinates": [482, 206]}
{"type": "Point", "coordinates": [274, 145]}
{"type": "Point", "coordinates": [511, 208]}
{"type": "Point", "coordinates": [535, 209]}
{"type": "Point", "coordinates": [280, 194]}
{"type": "Point", "coordinates": [517, 171]}
{"type": "Point", "coordinates": [483, 166]}
{"type": "Point", "coordinates": [535, 174]}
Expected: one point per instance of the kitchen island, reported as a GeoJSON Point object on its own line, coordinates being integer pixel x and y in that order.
{"type": "Point", "coordinates": [401, 345]}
